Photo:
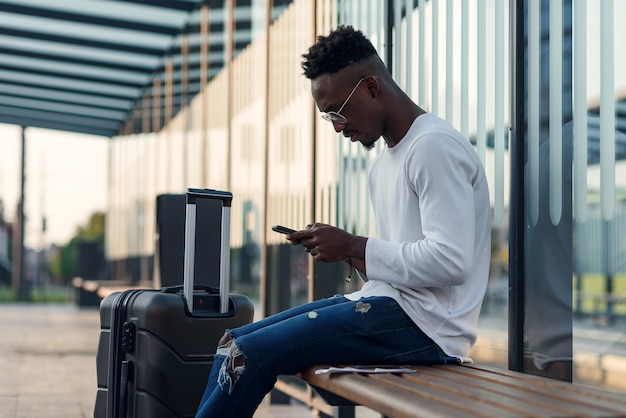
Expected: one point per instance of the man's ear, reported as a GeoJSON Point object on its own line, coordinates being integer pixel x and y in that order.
{"type": "Point", "coordinates": [372, 85]}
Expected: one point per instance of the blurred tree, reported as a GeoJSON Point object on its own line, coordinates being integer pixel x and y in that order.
{"type": "Point", "coordinates": [94, 230]}
{"type": "Point", "coordinates": [63, 264]}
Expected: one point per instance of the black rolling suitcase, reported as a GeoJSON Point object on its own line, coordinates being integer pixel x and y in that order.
{"type": "Point", "coordinates": [156, 348]}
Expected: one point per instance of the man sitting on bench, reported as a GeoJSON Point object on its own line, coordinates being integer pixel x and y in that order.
{"type": "Point", "coordinates": [426, 272]}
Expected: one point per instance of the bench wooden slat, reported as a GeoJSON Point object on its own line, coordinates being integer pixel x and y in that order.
{"type": "Point", "coordinates": [416, 385]}
{"type": "Point", "coordinates": [390, 401]}
{"type": "Point", "coordinates": [588, 392]}
{"type": "Point", "coordinates": [468, 390]}
{"type": "Point", "coordinates": [486, 393]}
{"type": "Point", "coordinates": [526, 398]}
{"type": "Point", "coordinates": [580, 399]}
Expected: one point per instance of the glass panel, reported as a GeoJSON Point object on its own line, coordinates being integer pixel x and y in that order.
{"type": "Point", "coordinates": [599, 194]}
{"type": "Point", "coordinates": [548, 239]}
{"type": "Point", "coordinates": [575, 217]}
{"type": "Point", "coordinates": [488, 107]}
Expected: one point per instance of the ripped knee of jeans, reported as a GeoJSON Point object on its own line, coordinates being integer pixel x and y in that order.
{"type": "Point", "coordinates": [233, 366]}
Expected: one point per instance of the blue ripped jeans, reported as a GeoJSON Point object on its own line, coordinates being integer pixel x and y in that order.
{"type": "Point", "coordinates": [333, 331]}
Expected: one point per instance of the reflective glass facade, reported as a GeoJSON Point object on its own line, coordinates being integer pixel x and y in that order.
{"type": "Point", "coordinates": [572, 226]}
{"type": "Point", "coordinates": [502, 73]}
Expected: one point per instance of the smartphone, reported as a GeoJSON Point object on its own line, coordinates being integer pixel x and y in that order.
{"type": "Point", "coordinates": [283, 229]}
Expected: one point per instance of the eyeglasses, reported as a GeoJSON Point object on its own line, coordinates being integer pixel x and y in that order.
{"type": "Point", "coordinates": [337, 117]}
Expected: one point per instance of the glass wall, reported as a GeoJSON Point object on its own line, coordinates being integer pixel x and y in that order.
{"type": "Point", "coordinates": [599, 92]}
{"type": "Point", "coordinates": [254, 130]}
{"type": "Point", "coordinates": [574, 222]}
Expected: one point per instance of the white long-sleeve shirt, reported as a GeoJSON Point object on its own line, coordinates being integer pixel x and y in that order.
{"type": "Point", "coordinates": [430, 198]}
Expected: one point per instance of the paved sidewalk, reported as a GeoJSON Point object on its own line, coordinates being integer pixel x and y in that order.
{"type": "Point", "coordinates": [47, 363]}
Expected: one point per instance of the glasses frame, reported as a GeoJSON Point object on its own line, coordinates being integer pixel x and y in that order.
{"type": "Point", "coordinates": [337, 117]}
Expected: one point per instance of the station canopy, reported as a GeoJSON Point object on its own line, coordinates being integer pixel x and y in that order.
{"type": "Point", "coordinates": [85, 65]}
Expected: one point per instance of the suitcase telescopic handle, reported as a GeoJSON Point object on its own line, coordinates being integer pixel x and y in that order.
{"type": "Point", "coordinates": [190, 238]}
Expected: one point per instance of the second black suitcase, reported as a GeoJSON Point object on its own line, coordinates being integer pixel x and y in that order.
{"type": "Point", "coordinates": [156, 348]}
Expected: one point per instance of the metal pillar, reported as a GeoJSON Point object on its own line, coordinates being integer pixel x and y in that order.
{"type": "Point", "coordinates": [516, 211]}
{"type": "Point", "coordinates": [20, 287]}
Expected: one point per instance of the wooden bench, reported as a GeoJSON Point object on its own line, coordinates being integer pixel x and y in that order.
{"type": "Point", "coordinates": [464, 391]}
{"type": "Point", "coordinates": [91, 292]}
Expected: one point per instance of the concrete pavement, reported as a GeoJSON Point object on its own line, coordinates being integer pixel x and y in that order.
{"type": "Point", "coordinates": [47, 363]}
{"type": "Point", "coordinates": [47, 366]}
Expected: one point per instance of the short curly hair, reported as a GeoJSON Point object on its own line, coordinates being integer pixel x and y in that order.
{"type": "Point", "coordinates": [342, 47]}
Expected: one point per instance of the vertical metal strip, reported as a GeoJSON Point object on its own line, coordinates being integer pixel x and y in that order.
{"type": "Point", "coordinates": [367, 230]}
{"type": "Point", "coordinates": [556, 111]}
{"type": "Point", "coordinates": [263, 288]}
{"type": "Point", "coordinates": [498, 130]}
{"type": "Point", "coordinates": [388, 42]}
{"type": "Point", "coordinates": [312, 291]}
{"type": "Point", "coordinates": [534, 65]}
{"type": "Point", "coordinates": [481, 82]}
{"type": "Point", "coordinates": [435, 56]}
{"type": "Point", "coordinates": [156, 127]}
{"type": "Point", "coordinates": [607, 111]}
{"type": "Point", "coordinates": [398, 57]}
{"type": "Point", "coordinates": [421, 90]}
{"type": "Point", "coordinates": [357, 184]}
{"type": "Point", "coordinates": [359, 178]}
{"type": "Point", "coordinates": [228, 63]}
{"type": "Point", "coordinates": [341, 198]}
{"type": "Point", "coordinates": [408, 38]}
{"type": "Point", "coordinates": [144, 190]}
{"type": "Point", "coordinates": [465, 68]}
{"type": "Point", "coordinates": [145, 114]}
{"type": "Point", "coordinates": [19, 277]}
{"type": "Point", "coordinates": [169, 82]}
{"type": "Point", "coordinates": [224, 260]}
{"type": "Point", "coordinates": [156, 104]}
{"type": "Point", "coordinates": [190, 249]}
{"type": "Point", "coordinates": [580, 109]}
{"type": "Point", "coordinates": [450, 60]}
{"type": "Point", "coordinates": [518, 117]}
{"type": "Point", "coordinates": [184, 107]}
{"type": "Point", "coordinates": [169, 88]}
{"type": "Point", "coordinates": [350, 184]}
{"type": "Point", "coordinates": [204, 80]}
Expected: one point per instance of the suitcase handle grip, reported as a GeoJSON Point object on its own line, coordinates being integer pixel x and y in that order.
{"type": "Point", "coordinates": [179, 288]}
{"type": "Point", "coordinates": [194, 194]}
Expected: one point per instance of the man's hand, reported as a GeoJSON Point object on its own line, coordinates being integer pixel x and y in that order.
{"type": "Point", "coordinates": [328, 243]}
